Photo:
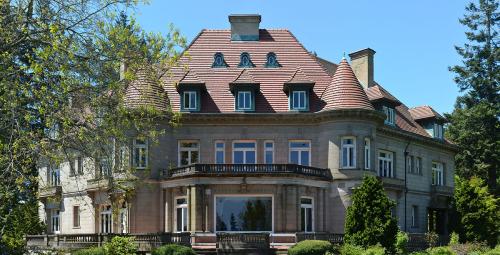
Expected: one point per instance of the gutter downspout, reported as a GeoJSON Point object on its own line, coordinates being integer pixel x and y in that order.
{"type": "Point", "coordinates": [406, 172]}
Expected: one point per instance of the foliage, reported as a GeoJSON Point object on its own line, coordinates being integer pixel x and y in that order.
{"type": "Point", "coordinates": [475, 123]}
{"type": "Point", "coordinates": [495, 251]}
{"type": "Point", "coordinates": [432, 238]}
{"type": "Point", "coordinates": [442, 250]}
{"type": "Point", "coordinates": [478, 212]}
{"type": "Point", "coordinates": [61, 94]}
{"type": "Point", "coordinates": [369, 220]}
{"type": "Point", "coordinates": [120, 245]}
{"type": "Point", "coordinates": [469, 248]}
{"type": "Point", "coordinates": [90, 251]}
{"type": "Point", "coordinates": [310, 247]}
{"type": "Point", "coordinates": [349, 249]}
{"type": "Point", "coordinates": [173, 249]}
{"type": "Point", "coordinates": [401, 242]}
{"type": "Point", "coordinates": [454, 239]}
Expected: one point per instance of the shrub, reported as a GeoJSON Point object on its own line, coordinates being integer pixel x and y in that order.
{"type": "Point", "coordinates": [349, 249]}
{"type": "Point", "coordinates": [120, 246]}
{"type": "Point", "coordinates": [375, 250]}
{"type": "Point", "coordinates": [470, 248]}
{"type": "Point", "coordinates": [495, 251]}
{"type": "Point", "coordinates": [454, 239]}
{"type": "Point", "coordinates": [401, 242]}
{"type": "Point", "coordinates": [442, 250]}
{"type": "Point", "coordinates": [310, 247]}
{"type": "Point", "coordinates": [173, 249]}
{"type": "Point", "coordinates": [90, 251]}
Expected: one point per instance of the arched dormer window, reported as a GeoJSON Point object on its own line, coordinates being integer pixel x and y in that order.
{"type": "Point", "coordinates": [245, 60]}
{"type": "Point", "coordinates": [219, 60]}
{"type": "Point", "coordinates": [272, 60]}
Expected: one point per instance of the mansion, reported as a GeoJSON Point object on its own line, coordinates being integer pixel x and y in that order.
{"type": "Point", "coordinates": [272, 139]}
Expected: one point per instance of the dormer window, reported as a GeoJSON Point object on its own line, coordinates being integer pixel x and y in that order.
{"type": "Point", "coordinates": [438, 131]}
{"type": "Point", "coordinates": [219, 61]}
{"type": "Point", "coordinates": [190, 100]}
{"type": "Point", "coordinates": [272, 61]}
{"type": "Point", "coordinates": [390, 114]}
{"type": "Point", "coordinates": [245, 100]}
{"type": "Point", "coordinates": [245, 60]}
{"type": "Point", "coordinates": [299, 100]}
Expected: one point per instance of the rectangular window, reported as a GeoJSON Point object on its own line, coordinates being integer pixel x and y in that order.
{"type": "Point", "coordinates": [410, 164]}
{"type": "Point", "coordinates": [438, 131]}
{"type": "Point", "coordinates": [104, 167]}
{"type": "Point", "coordinates": [140, 153]}
{"type": "Point", "coordinates": [367, 153]}
{"type": "Point", "coordinates": [244, 213]}
{"type": "Point", "coordinates": [437, 174]}
{"type": "Point", "coordinates": [348, 152]}
{"type": "Point", "coordinates": [79, 165]}
{"type": "Point", "coordinates": [190, 100]}
{"type": "Point", "coordinates": [188, 153]}
{"type": "Point", "coordinates": [300, 152]}
{"type": "Point", "coordinates": [385, 164]}
{"type": "Point", "coordinates": [269, 152]}
{"type": "Point", "coordinates": [181, 214]}
{"type": "Point", "coordinates": [390, 115]}
{"type": "Point", "coordinates": [55, 221]}
{"type": "Point", "coordinates": [306, 214]}
{"type": "Point", "coordinates": [244, 100]}
{"type": "Point", "coordinates": [414, 216]}
{"type": "Point", "coordinates": [106, 219]}
{"type": "Point", "coordinates": [54, 176]}
{"type": "Point", "coordinates": [418, 165]}
{"type": "Point", "coordinates": [298, 100]}
{"type": "Point", "coordinates": [244, 152]}
{"type": "Point", "coordinates": [76, 216]}
{"type": "Point", "coordinates": [219, 152]}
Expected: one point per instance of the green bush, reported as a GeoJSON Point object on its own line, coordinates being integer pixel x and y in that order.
{"type": "Point", "coordinates": [90, 251]}
{"type": "Point", "coordinates": [401, 242]}
{"type": "Point", "coordinates": [120, 246]}
{"type": "Point", "coordinates": [470, 248]}
{"type": "Point", "coordinates": [375, 250]}
{"type": "Point", "coordinates": [454, 239]}
{"type": "Point", "coordinates": [495, 251]}
{"type": "Point", "coordinates": [310, 247]}
{"type": "Point", "coordinates": [173, 249]}
{"type": "Point", "coordinates": [442, 250]}
{"type": "Point", "coordinates": [349, 249]}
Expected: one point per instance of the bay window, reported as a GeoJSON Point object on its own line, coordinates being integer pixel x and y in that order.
{"type": "Point", "coordinates": [385, 164]}
{"type": "Point", "coordinates": [188, 153]}
{"type": "Point", "coordinates": [300, 152]}
{"type": "Point", "coordinates": [348, 152]}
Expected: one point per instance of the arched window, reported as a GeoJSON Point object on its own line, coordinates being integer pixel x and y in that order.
{"type": "Point", "coordinates": [272, 60]}
{"type": "Point", "coordinates": [245, 60]}
{"type": "Point", "coordinates": [219, 60]}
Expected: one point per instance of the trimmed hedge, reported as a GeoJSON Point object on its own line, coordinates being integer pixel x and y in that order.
{"type": "Point", "coordinates": [173, 249]}
{"type": "Point", "coordinates": [90, 251]}
{"type": "Point", "coordinates": [310, 247]}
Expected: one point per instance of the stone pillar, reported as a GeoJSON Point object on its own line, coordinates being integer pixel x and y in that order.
{"type": "Point", "coordinates": [167, 210]}
{"type": "Point", "coordinates": [190, 207]}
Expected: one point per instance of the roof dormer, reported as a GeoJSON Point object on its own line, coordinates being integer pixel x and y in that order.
{"type": "Point", "coordinates": [430, 120]}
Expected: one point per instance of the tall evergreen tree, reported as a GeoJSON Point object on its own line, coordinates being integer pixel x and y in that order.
{"type": "Point", "coordinates": [369, 220]}
{"type": "Point", "coordinates": [475, 122]}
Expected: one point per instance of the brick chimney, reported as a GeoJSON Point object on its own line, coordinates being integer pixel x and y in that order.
{"type": "Point", "coordinates": [244, 27]}
{"type": "Point", "coordinates": [362, 65]}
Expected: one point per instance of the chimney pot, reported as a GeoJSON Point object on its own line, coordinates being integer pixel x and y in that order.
{"type": "Point", "coordinates": [362, 65]}
{"type": "Point", "coordinates": [244, 27]}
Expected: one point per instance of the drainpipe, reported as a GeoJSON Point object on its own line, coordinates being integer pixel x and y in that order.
{"type": "Point", "coordinates": [406, 172]}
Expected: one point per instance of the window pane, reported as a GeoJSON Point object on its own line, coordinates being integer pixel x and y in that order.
{"type": "Point", "coordinates": [179, 219]}
{"type": "Point", "coordinates": [306, 201]}
{"type": "Point", "coordinates": [194, 157]}
{"type": "Point", "coordinates": [309, 219]}
{"type": "Point", "coordinates": [269, 145]}
{"type": "Point", "coordinates": [294, 157]}
{"type": "Point", "coordinates": [219, 145]}
{"type": "Point", "coordinates": [244, 214]}
{"type": "Point", "coordinates": [304, 158]}
{"type": "Point", "coordinates": [269, 157]}
{"type": "Point", "coordinates": [250, 157]}
{"type": "Point", "coordinates": [299, 144]}
{"type": "Point", "coordinates": [244, 145]}
{"type": "Point", "coordinates": [238, 157]}
{"type": "Point", "coordinates": [219, 158]}
{"type": "Point", "coordinates": [184, 158]}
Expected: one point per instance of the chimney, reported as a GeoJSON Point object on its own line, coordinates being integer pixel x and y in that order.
{"type": "Point", "coordinates": [244, 27]}
{"type": "Point", "coordinates": [362, 65]}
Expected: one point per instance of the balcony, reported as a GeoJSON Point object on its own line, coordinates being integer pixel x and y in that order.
{"type": "Point", "coordinates": [441, 190]}
{"type": "Point", "coordinates": [440, 196]}
{"type": "Point", "coordinates": [50, 191]}
{"type": "Point", "coordinates": [96, 184]}
{"type": "Point", "coordinates": [393, 183]}
{"type": "Point", "coordinates": [247, 169]}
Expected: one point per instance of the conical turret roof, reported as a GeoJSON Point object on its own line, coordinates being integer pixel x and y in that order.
{"type": "Point", "coordinates": [345, 91]}
{"type": "Point", "coordinates": [145, 91]}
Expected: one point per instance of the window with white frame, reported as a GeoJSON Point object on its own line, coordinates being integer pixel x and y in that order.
{"type": "Point", "coordinates": [437, 174]}
{"type": "Point", "coordinates": [306, 214]}
{"type": "Point", "coordinates": [385, 164]}
{"type": "Point", "coordinates": [390, 115]}
{"type": "Point", "coordinates": [140, 153]}
{"type": "Point", "coordinates": [190, 100]}
{"type": "Point", "coordinates": [348, 152]}
{"type": "Point", "coordinates": [54, 176]}
{"type": "Point", "coordinates": [269, 152]}
{"type": "Point", "coordinates": [189, 152]}
{"type": "Point", "coordinates": [106, 219]}
{"type": "Point", "coordinates": [409, 163]}
{"type": "Point", "coordinates": [104, 166]}
{"type": "Point", "coordinates": [438, 131]}
{"type": "Point", "coordinates": [181, 214]}
{"type": "Point", "coordinates": [414, 216]}
{"type": "Point", "coordinates": [219, 152]}
{"type": "Point", "coordinates": [418, 165]}
{"type": "Point", "coordinates": [244, 152]}
{"type": "Point", "coordinates": [367, 153]}
{"type": "Point", "coordinates": [244, 100]}
{"type": "Point", "coordinates": [300, 152]}
{"type": "Point", "coordinates": [55, 221]}
{"type": "Point", "coordinates": [298, 100]}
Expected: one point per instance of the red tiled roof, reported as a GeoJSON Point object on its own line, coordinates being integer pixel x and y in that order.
{"type": "Point", "coordinates": [344, 91]}
{"type": "Point", "coordinates": [244, 78]}
{"type": "Point", "coordinates": [405, 121]}
{"type": "Point", "coordinates": [190, 78]}
{"type": "Point", "coordinates": [145, 91]}
{"type": "Point", "coordinates": [299, 78]}
{"type": "Point", "coordinates": [377, 92]}
{"type": "Point", "coordinates": [289, 52]}
{"type": "Point", "coordinates": [424, 112]}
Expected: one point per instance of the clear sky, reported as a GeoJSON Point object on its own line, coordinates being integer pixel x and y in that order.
{"type": "Point", "coordinates": [414, 40]}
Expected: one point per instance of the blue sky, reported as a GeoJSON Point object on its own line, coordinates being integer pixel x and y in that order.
{"type": "Point", "coordinates": [414, 40]}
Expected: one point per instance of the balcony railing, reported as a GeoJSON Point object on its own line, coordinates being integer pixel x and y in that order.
{"type": "Point", "coordinates": [50, 191]}
{"type": "Point", "coordinates": [239, 169]}
{"type": "Point", "coordinates": [144, 241]}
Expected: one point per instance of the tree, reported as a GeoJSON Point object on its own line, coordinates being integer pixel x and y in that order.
{"type": "Point", "coordinates": [61, 93]}
{"type": "Point", "coordinates": [478, 211]}
{"type": "Point", "coordinates": [475, 122]}
{"type": "Point", "coordinates": [369, 220]}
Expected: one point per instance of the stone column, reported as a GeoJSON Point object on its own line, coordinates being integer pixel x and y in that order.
{"type": "Point", "coordinates": [167, 210]}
